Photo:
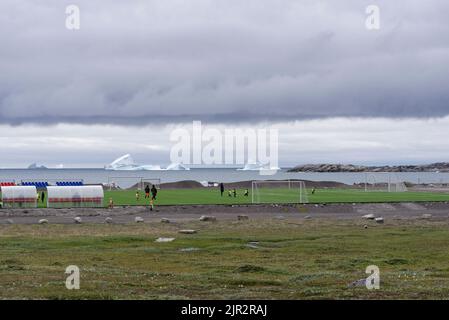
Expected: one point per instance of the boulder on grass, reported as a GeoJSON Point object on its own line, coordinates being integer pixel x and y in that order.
{"type": "Point", "coordinates": [43, 221]}
{"type": "Point", "coordinates": [78, 220]}
{"type": "Point", "coordinates": [138, 219]}
{"type": "Point", "coordinates": [108, 220]}
{"type": "Point", "coordinates": [165, 239]}
{"type": "Point", "coordinates": [369, 216]}
{"type": "Point", "coordinates": [187, 231]}
{"type": "Point", "coordinates": [208, 218]}
{"type": "Point", "coordinates": [165, 220]}
{"type": "Point", "coordinates": [379, 220]}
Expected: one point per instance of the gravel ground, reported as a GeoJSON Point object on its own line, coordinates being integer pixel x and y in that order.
{"type": "Point", "coordinates": [437, 210]}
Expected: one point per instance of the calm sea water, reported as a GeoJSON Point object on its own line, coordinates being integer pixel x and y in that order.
{"type": "Point", "coordinates": [128, 178]}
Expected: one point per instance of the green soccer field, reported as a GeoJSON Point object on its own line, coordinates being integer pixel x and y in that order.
{"type": "Point", "coordinates": [275, 195]}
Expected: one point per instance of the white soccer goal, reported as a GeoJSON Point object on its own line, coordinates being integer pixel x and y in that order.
{"type": "Point", "coordinates": [281, 191]}
{"type": "Point", "coordinates": [150, 182]}
{"type": "Point", "coordinates": [384, 182]}
{"type": "Point", "coordinates": [124, 183]}
{"type": "Point", "coordinates": [128, 183]}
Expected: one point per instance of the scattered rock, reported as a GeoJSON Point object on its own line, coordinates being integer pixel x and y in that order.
{"type": "Point", "coordinates": [426, 216]}
{"type": "Point", "coordinates": [165, 220]}
{"type": "Point", "coordinates": [369, 216]}
{"type": "Point", "coordinates": [379, 220]}
{"type": "Point", "coordinates": [189, 249]}
{"type": "Point", "coordinates": [242, 217]}
{"type": "Point", "coordinates": [208, 218]}
{"type": "Point", "coordinates": [358, 283]}
{"type": "Point", "coordinates": [108, 220]}
{"type": "Point", "coordinates": [138, 219]}
{"type": "Point", "coordinates": [165, 239]}
{"type": "Point", "coordinates": [253, 245]}
{"type": "Point", "coordinates": [187, 231]}
{"type": "Point", "coordinates": [78, 220]}
{"type": "Point", "coordinates": [43, 221]}
{"type": "Point", "coordinates": [9, 221]}
{"type": "Point", "coordinates": [307, 217]}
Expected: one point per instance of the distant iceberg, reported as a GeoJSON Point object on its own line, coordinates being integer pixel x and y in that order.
{"type": "Point", "coordinates": [34, 166]}
{"type": "Point", "coordinates": [126, 162]}
{"type": "Point", "coordinates": [257, 166]}
{"type": "Point", "coordinates": [177, 166]}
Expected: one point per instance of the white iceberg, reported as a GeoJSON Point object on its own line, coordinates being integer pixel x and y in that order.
{"type": "Point", "coordinates": [34, 166]}
{"type": "Point", "coordinates": [126, 162]}
{"type": "Point", "coordinates": [257, 166]}
{"type": "Point", "coordinates": [177, 166]}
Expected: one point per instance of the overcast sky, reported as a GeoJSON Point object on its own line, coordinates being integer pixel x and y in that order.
{"type": "Point", "coordinates": [336, 91]}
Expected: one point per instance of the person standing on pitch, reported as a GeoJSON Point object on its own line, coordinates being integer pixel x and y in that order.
{"type": "Point", "coordinates": [147, 191]}
{"type": "Point", "coordinates": [153, 192]}
{"type": "Point", "coordinates": [221, 189]}
{"type": "Point", "coordinates": [111, 203]}
{"type": "Point", "coordinates": [43, 196]}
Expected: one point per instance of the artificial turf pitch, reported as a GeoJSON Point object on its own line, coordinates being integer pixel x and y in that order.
{"type": "Point", "coordinates": [211, 196]}
{"type": "Point", "coordinates": [275, 195]}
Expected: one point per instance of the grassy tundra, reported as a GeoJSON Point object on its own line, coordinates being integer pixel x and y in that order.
{"type": "Point", "coordinates": [263, 259]}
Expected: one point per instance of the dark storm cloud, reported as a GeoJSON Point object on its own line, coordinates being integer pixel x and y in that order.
{"type": "Point", "coordinates": [138, 62]}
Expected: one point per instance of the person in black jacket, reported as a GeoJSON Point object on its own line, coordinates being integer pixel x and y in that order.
{"type": "Point", "coordinates": [147, 191]}
{"type": "Point", "coordinates": [153, 192]}
{"type": "Point", "coordinates": [221, 189]}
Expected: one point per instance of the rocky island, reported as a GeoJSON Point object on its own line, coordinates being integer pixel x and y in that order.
{"type": "Point", "coordinates": [434, 167]}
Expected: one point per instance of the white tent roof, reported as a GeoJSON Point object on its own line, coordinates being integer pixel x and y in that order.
{"type": "Point", "coordinates": [75, 192]}
{"type": "Point", "coordinates": [19, 192]}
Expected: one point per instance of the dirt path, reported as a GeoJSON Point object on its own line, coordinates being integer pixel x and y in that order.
{"type": "Point", "coordinates": [438, 210]}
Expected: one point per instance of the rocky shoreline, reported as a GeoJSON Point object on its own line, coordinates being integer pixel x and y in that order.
{"type": "Point", "coordinates": [434, 167]}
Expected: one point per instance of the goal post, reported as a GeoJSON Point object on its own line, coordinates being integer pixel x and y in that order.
{"type": "Point", "coordinates": [130, 182]}
{"type": "Point", "coordinates": [124, 183]}
{"type": "Point", "coordinates": [280, 191]}
{"type": "Point", "coordinates": [150, 182]}
{"type": "Point", "coordinates": [384, 182]}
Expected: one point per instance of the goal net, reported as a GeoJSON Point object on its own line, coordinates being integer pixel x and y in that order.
{"type": "Point", "coordinates": [150, 182]}
{"type": "Point", "coordinates": [124, 183]}
{"type": "Point", "coordinates": [132, 183]}
{"type": "Point", "coordinates": [279, 192]}
{"type": "Point", "coordinates": [384, 182]}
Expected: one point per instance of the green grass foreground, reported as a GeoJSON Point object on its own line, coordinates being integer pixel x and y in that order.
{"type": "Point", "coordinates": [212, 196]}
{"type": "Point", "coordinates": [294, 259]}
